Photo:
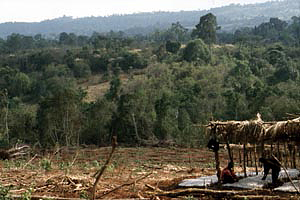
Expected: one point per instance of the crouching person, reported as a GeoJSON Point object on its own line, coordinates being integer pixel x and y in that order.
{"type": "Point", "coordinates": [270, 163]}
{"type": "Point", "coordinates": [228, 175]}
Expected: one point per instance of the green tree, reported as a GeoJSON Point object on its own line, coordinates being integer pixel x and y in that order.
{"type": "Point", "coordinates": [176, 32]}
{"type": "Point", "coordinates": [173, 46]}
{"type": "Point", "coordinates": [114, 90]}
{"type": "Point", "coordinates": [271, 29]}
{"type": "Point", "coordinates": [206, 29]}
{"type": "Point", "coordinates": [81, 69]}
{"type": "Point", "coordinates": [97, 117]}
{"type": "Point", "coordinates": [21, 84]}
{"type": "Point", "coordinates": [14, 42]}
{"type": "Point", "coordinates": [196, 50]}
{"type": "Point", "coordinates": [64, 38]}
{"type": "Point", "coordinates": [59, 117]}
{"type": "Point", "coordinates": [22, 120]}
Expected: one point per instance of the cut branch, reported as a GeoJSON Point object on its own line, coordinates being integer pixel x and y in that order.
{"type": "Point", "coordinates": [126, 184]}
{"type": "Point", "coordinates": [99, 173]}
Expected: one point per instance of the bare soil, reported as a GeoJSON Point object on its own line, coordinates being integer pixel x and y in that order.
{"type": "Point", "coordinates": [152, 173]}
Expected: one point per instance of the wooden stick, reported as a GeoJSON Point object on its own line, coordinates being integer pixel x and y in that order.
{"type": "Point", "coordinates": [34, 197]}
{"type": "Point", "coordinates": [286, 174]}
{"type": "Point", "coordinates": [240, 156]}
{"type": "Point", "coordinates": [218, 166]}
{"type": "Point", "coordinates": [214, 194]}
{"type": "Point", "coordinates": [126, 184]}
{"type": "Point", "coordinates": [250, 155]}
{"type": "Point", "coordinates": [244, 160]}
{"type": "Point", "coordinates": [99, 173]}
{"type": "Point", "coordinates": [75, 157]}
{"type": "Point", "coordinates": [294, 157]}
{"type": "Point", "coordinates": [229, 151]}
{"type": "Point", "coordinates": [255, 158]}
{"type": "Point", "coordinates": [278, 149]}
{"type": "Point", "coordinates": [286, 155]}
{"type": "Point", "coordinates": [29, 161]}
{"type": "Point", "coordinates": [155, 188]}
{"type": "Point", "coordinates": [213, 131]}
{"type": "Point", "coordinates": [262, 148]}
{"type": "Point", "coordinates": [272, 147]}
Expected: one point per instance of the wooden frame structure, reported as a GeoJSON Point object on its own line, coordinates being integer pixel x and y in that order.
{"type": "Point", "coordinates": [257, 139]}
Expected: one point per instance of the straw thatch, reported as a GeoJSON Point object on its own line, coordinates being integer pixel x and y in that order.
{"type": "Point", "coordinates": [254, 131]}
{"type": "Point", "coordinates": [283, 130]}
{"type": "Point", "coordinates": [237, 131]}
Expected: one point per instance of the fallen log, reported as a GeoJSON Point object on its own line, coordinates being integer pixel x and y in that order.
{"type": "Point", "coordinates": [14, 152]}
{"type": "Point", "coordinates": [258, 197]}
{"type": "Point", "coordinates": [201, 191]}
{"type": "Point", "coordinates": [223, 194]}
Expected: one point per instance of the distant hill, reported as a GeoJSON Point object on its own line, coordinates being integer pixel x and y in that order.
{"type": "Point", "coordinates": [229, 18]}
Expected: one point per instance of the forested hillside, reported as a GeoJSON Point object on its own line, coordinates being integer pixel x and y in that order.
{"type": "Point", "coordinates": [160, 84]}
{"type": "Point", "coordinates": [230, 18]}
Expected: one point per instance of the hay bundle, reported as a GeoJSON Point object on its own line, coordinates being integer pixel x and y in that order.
{"type": "Point", "coordinates": [237, 131]}
{"type": "Point", "coordinates": [253, 131]}
{"type": "Point", "coordinates": [283, 130]}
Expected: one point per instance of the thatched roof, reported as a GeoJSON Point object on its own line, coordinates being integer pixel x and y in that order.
{"type": "Point", "coordinates": [253, 131]}
{"type": "Point", "coordinates": [282, 130]}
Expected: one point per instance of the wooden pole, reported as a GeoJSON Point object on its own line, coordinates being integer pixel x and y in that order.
{"type": "Point", "coordinates": [286, 174]}
{"type": "Point", "coordinates": [262, 148]}
{"type": "Point", "coordinates": [244, 160]}
{"type": "Point", "coordinates": [286, 155]}
{"type": "Point", "coordinates": [229, 151]}
{"type": "Point", "coordinates": [218, 166]}
{"type": "Point", "coordinates": [240, 156]}
{"type": "Point", "coordinates": [290, 147]}
{"type": "Point", "coordinates": [250, 156]}
{"type": "Point", "coordinates": [294, 157]}
{"type": "Point", "coordinates": [278, 150]}
{"type": "Point", "coordinates": [272, 147]}
{"type": "Point", "coordinates": [255, 158]}
{"type": "Point", "coordinates": [214, 130]}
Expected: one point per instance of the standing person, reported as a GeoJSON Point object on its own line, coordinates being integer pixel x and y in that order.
{"type": "Point", "coordinates": [228, 175]}
{"type": "Point", "coordinates": [270, 163]}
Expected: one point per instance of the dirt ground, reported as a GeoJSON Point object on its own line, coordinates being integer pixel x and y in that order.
{"type": "Point", "coordinates": [151, 173]}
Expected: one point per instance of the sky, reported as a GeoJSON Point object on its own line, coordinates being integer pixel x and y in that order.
{"type": "Point", "coordinates": [39, 10]}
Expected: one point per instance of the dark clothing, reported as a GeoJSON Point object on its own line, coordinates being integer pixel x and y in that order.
{"type": "Point", "coordinates": [273, 164]}
{"type": "Point", "coordinates": [228, 175]}
{"type": "Point", "coordinates": [213, 145]}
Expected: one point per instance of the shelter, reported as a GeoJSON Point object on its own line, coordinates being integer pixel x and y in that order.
{"type": "Point", "coordinates": [256, 138]}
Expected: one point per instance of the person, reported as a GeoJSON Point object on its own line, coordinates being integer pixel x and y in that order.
{"type": "Point", "coordinates": [228, 175]}
{"type": "Point", "coordinates": [270, 163]}
{"type": "Point", "coordinates": [213, 144]}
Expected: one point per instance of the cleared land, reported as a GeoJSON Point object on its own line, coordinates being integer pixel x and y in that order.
{"type": "Point", "coordinates": [132, 173]}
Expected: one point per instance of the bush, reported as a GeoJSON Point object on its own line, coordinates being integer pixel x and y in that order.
{"type": "Point", "coordinates": [196, 50]}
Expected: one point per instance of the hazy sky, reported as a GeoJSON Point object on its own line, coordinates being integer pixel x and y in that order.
{"type": "Point", "coordinates": [38, 10]}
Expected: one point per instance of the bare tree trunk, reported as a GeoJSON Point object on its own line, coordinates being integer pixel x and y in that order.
{"type": "Point", "coordinates": [5, 95]}
{"type": "Point", "coordinates": [136, 131]}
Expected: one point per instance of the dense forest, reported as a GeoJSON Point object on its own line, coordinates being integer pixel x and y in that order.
{"type": "Point", "coordinates": [163, 86]}
{"type": "Point", "coordinates": [230, 18]}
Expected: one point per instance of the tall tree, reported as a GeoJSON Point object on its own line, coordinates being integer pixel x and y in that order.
{"type": "Point", "coordinates": [206, 29]}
